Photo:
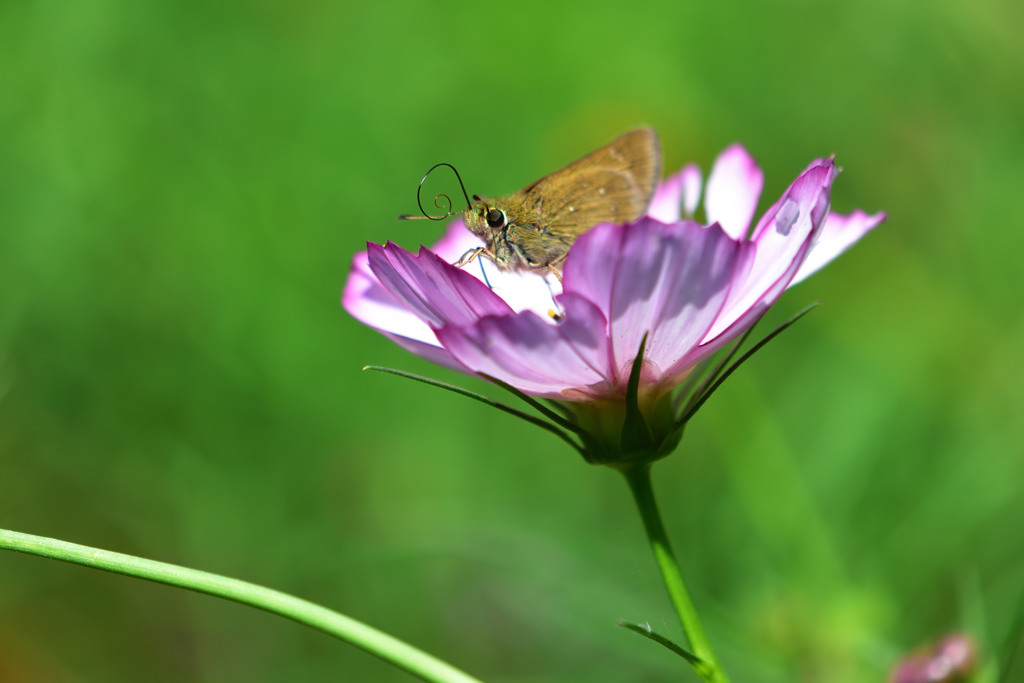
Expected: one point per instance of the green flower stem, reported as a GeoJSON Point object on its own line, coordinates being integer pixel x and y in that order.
{"type": "Point", "coordinates": [375, 642]}
{"type": "Point", "coordinates": [639, 478]}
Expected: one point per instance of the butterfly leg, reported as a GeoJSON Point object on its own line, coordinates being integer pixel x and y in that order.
{"type": "Point", "coordinates": [557, 313]}
{"type": "Point", "coordinates": [468, 257]}
{"type": "Point", "coordinates": [472, 255]}
{"type": "Point", "coordinates": [556, 266]}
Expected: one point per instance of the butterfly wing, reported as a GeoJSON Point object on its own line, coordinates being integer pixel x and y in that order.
{"type": "Point", "coordinates": [612, 184]}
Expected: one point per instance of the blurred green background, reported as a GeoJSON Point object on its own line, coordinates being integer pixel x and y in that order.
{"type": "Point", "coordinates": [183, 185]}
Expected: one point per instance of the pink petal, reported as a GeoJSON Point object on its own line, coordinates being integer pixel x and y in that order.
{"type": "Point", "coordinates": [692, 185]}
{"type": "Point", "coordinates": [694, 291]}
{"type": "Point", "coordinates": [371, 304]}
{"type": "Point", "coordinates": [783, 237]}
{"type": "Point", "coordinates": [838, 235]}
{"type": "Point", "coordinates": [733, 190]}
{"type": "Point", "coordinates": [566, 361]}
{"type": "Point", "coordinates": [667, 199]}
{"type": "Point", "coordinates": [368, 302]}
{"type": "Point", "coordinates": [666, 280]}
{"type": "Point", "coordinates": [432, 288]}
{"type": "Point", "coordinates": [431, 352]}
{"type": "Point", "coordinates": [706, 343]}
{"type": "Point", "coordinates": [683, 187]}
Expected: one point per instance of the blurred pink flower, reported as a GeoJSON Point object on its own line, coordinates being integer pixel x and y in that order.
{"type": "Point", "coordinates": [950, 660]}
{"type": "Point", "coordinates": [690, 288]}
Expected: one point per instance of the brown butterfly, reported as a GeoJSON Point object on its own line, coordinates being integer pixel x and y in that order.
{"type": "Point", "coordinates": [533, 229]}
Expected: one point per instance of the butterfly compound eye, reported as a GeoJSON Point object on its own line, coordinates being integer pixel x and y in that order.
{"type": "Point", "coordinates": [495, 218]}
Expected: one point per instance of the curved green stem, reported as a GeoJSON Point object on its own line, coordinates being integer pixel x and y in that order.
{"type": "Point", "coordinates": [639, 479]}
{"type": "Point", "coordinates": [375, 642]}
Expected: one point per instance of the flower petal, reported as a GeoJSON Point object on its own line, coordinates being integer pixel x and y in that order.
{"type": "Point", "coordinates": [783, 237]}
{"type": "Point", "coordinates": [373, 305]}
{"type": "Point", "coordinates": [703, 280]}
{"type": "Point", "coordinates": [565, 361]}
{"type": "Point", "coordinates": [666, 280]}
{"type": "Point", "coordinates": [667, 199]}
{"type": "Point", "coordinates": [432, 352]}
{"type": "Point", "coordinates": [733, 190]}
{"type": "Point", "coordinates": [838, 235]}
{"type": "Point", "coordinates": [683, 187]}
{"type": "Point", "coordinates": [368, 302]}
{"type": "Point", "coordinates": [692, 186]}
{"type": "Point", "coordinates": [432, 288]}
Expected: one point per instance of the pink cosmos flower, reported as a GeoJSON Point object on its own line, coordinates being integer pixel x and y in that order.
{"type": "Point", "coordinates": [691, 288]}
{"type": "Point", "coordinates": [952, 659]}
{"type": "Point", "coordinates": [683, 288]}
{"type": "Point", "coordinates": [640, 309]}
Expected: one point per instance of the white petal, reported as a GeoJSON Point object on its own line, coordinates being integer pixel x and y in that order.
{"type": "Point", "coordinates": [838, 235]}
{"type": "Point", "coordinates": [733, 190]}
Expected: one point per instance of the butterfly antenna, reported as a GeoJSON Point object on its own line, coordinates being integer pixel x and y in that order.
{"type": "Point", "coordinates": [445, 205]}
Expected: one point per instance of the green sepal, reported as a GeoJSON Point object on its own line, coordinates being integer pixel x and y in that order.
{"type": "Point", "coordinates": [636, 435]}
{"type": "Point", "coordinates": [532, 419]}
{"type": "Point", "coordinates": [588, 441]}
{"type": "Point", "coordinates": [647, 632]}
{"type": "Point", "coordinates": [704, 394]}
